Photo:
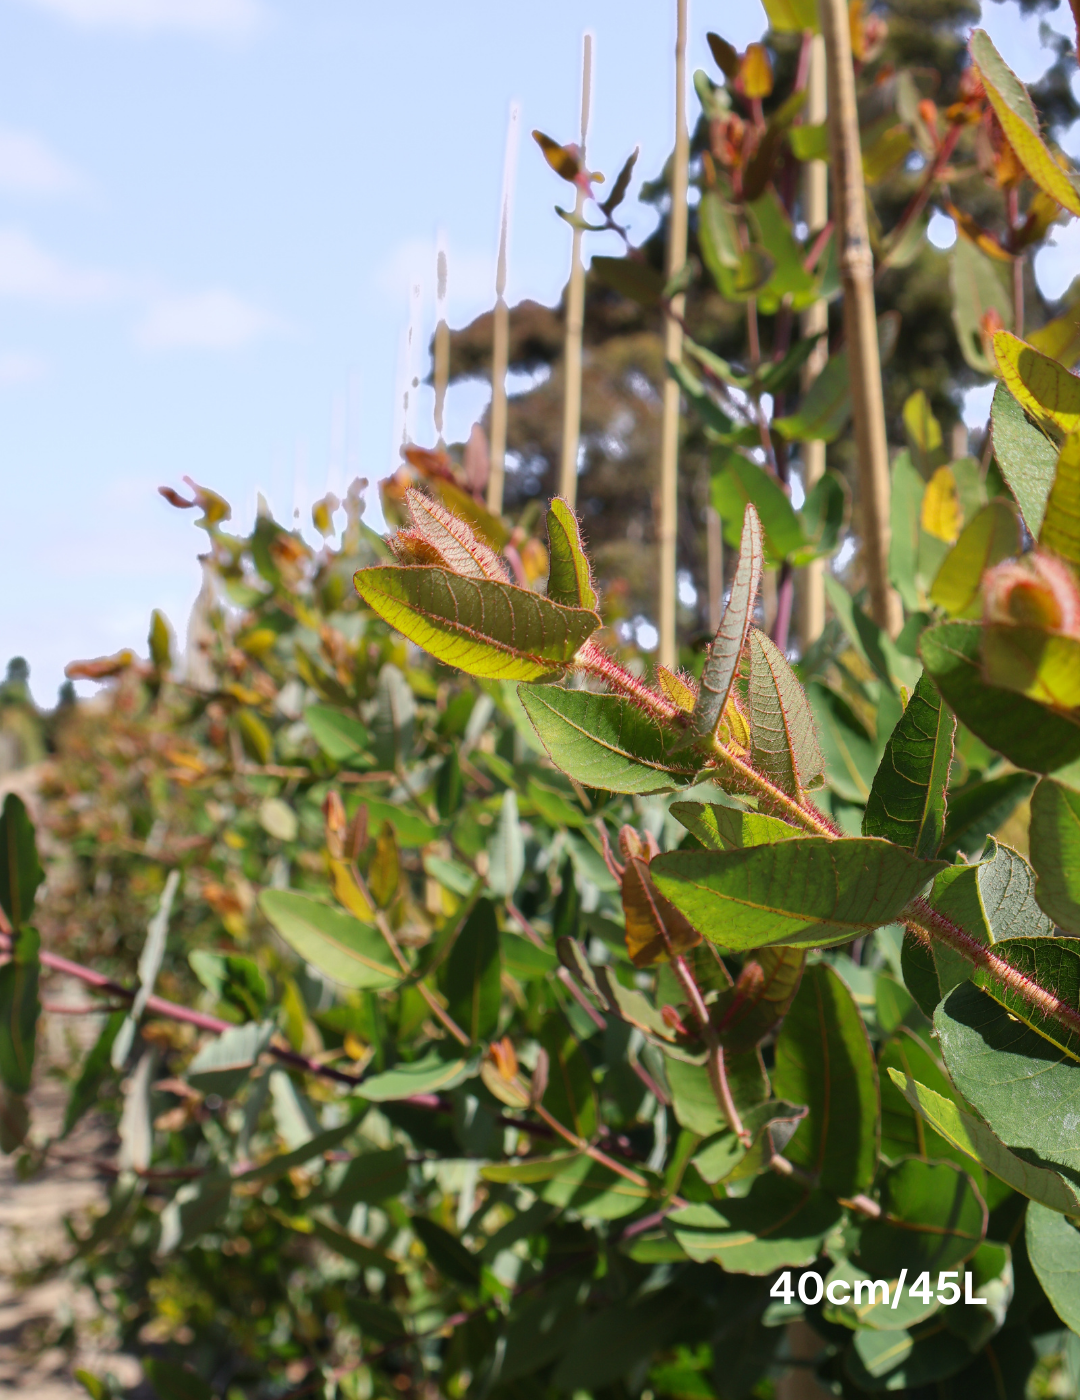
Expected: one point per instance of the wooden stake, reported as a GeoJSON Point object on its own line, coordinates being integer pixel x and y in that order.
{"type": "Point", "coordinates": [714, 558]}
{"type": "Point", "coordinates": [815, 319]}
{"type": "Point", "coordinates": [575, 315]}
{"type": "Point", "coordinates": [442, 343]}
{"type": "Point", "coordinates": [500, 350]}
{"type": "Point", "coordinates": [669, 440]}
{"type": "Point", "coordinates": [860, 320]}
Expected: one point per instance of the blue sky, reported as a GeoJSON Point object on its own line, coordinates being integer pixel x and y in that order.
{"type": "Point", "coordinates": [213, 214]}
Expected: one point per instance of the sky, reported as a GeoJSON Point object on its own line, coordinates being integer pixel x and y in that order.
{"type": "Point", "coordinates": [218, 222]}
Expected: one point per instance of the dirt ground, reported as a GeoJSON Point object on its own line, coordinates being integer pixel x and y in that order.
{"type": "Point", "coordinates": [36, 1359]}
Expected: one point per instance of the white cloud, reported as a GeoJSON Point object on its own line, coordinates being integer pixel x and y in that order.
{"type": "Point", "coordinates": [29, 166]}
{"type": "Point", "coordinates": [18, 367]}
{"type": "Point", "coordinates": [227, 18]}
{"type": "Point", "coordinates": [212, 320]}
{"type": "Point", "coordinates": [29, 273]}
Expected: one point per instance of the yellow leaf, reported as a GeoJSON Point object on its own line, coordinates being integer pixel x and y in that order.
{"type": "Point", "coordinates": [755, 72]}
{"type": "Point", "coordinates": [1060, 338]}
{"type": "Point", "coordinates": [1007, 94]}
{"type": "Point", "coordinates": [1041, 665]}
{"type": "Point", "coordinates": [942, 515]}
{"type": "Point", "coordinates": [385, 867]}
{"type": "Point", "coordinates": [1047, 390]}
{"type": "Point", "coordinates": [1061, 524]}
{"type": "Point", "coordinates": [675, 688]}
{"type": "Point", "coordinates": [348, 892]}
{"type": "Point", "coordinates": [885, 153]}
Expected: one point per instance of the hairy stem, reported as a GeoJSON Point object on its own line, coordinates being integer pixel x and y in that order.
{"type": "Point", "coordinates": [803, 814]}
{"type": "Point", "coordinates": [927, 925]}
{"type": "Point", "coordinates": [595, 661]}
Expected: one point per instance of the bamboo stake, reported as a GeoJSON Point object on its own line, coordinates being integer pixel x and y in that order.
{"type": "Point", "coordinates": [442, 343]}
{"type": "Point", "coordinates": [669, 441]}
{"type": "Point", "coordinates": [815, 319]}
{"type": "Point", "coordinates": [575, 315]}
{"type": "Point", "coordinates": [860, 321]}
{"type": "Point", "coordinates": [500, 350]}
{"type": "Point", "coordinates": [714, 556]}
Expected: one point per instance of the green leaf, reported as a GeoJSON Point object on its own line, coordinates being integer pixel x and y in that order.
{"type": "Point", "coordinates": [904, 1360]}
{"type": "Point", "coordinates": [173, 1382]}
{"type": "Point", "coordinates": [738, 273]}
{"type": "Point", "coordinates": [730, 828]}
{"type": "Point", "coordinates": [1049, 962]}
{"type": "Point", "coordinates": [777, 1225]}
{"type": "Point", "coordinates": [809, 893]}
{"type": "Point", "coordinates": [569, 575]}
{"type": "Point", "coordinates": [907, 802]}
{"type": "Point", "coordinates": [507, 849]}
{"type": "Point", "coordinates": [979, 284]}
{"type": "Point", "coordinates": [824, 1060]}
{"type": "Point", "coordinates": [826, 406]}
{"type": "Point", "coordinates": [1053, 1245]}
{"type": "Point", "coordinates": [85, 1090]}
{"type": "Point", "coordinates": [474, 972]}
{"type": "Point", "coordinates": [368, 1179]}
{"type": "Point", "coordinates": [792, 16]}
{"type": "Point", "coordinates": [748, 1012]}
{"type": "Point", "coordinates": [738, 484]}
{"type": "Point", "coordinates": [1013, 109]}
{"type": "Point", "coordinates": [1055, 851]}
{"type": "Point", "coordinates": [823, 515]}
{"type": "Point", "coordinates": [1026, 733]}
{"type": "Point", "coordinates": [976, 811]}
{"type": "Point", "coordinates": [920, 973]}
{"type": "Point", "coordinates": [903, 1132]}
{"type": "Point", "coordinates": [93, 1385]}
{"type": "Point", "coordinates": [905, 507]}
{"type": "Point", "coordinates": [345, 950]}
{"type": "Point", "coordinates": [987, 539]}
{"type": "Point", "coordinates": [1004, 1069]}
{"type": "Point", "coordinates": [770, 1124]}
{"type": "Point", "coordinates": [427, 1075]}
{"type": "Point", "coordinates": [993, 899]}
{"type": "Point", "coordinates": [1043, 388]}
{"type": "Point", "coordinates": [851, 757]}
{"type": "Point", "coordinates": [1061, 527]}
{"type": "Point", "coordinates": [790, 280]}
{"type": "Point", "coordinates": [617, 1340]}
{"type": "Point", "coordinates": [198, 1207]}
{"type": "Point", "coordinates": [692, 1097]}
{"type": "Point", "coordinates": [606, 741]}
{"type": "Point", "coordinates": [482, 627]}
{"type": "Point", "coordinates": [727, 646]}
{"type": "Point", "coordinates": [1060, 337]}
{"type": "Point", "coordinates": [571, 1094]}
{"type": "Point", "coordinates": [231, 978]}
{"type": "Point", "coordinates": [274, 1168]}
{"type": "Point", "coordinates": [1026, 456]}
{"type": "Point", "coordinates": [976, 1141]}
{"type": "Point", "coordinates": [20, 869]}
{"type": "Point", "coordinates": [810, 142]}
{"type": "Point", "coordinates": [589, 1187]}
{"type": "Point", "coordinates": [783, 742]}
{"type": "Point", "coordinates": [932, 1217]}
{"type": "Point", "coordinates": [340, 736]}
{"type": "Point", "coordinates": [411, 829]}
{"type": "Point", "coordinates": [225, 1062]}
{"type": "Point", "coordinates": [447, 1254]}
{"type": "Point", "coordinates": [19, 1009]}
{"type": "Point", "coordinates": [632, 278]}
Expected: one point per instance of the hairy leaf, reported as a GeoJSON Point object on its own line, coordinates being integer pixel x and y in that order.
{"type": "Point", "coordinates": [783, 741]}
{"type": "Point", "coordinates": [1014, 110]}
{"type": "Point", "coordinates": [1026, 456]}
{"type": "Point", "coordinates": [345, 950]}
{"type": "Point", "coordinates": [727, 646]}
{"type": "Point", "coordinates": [442, 538]}
{"type": "Point", "coordinates": [1027, 733]}
{"type": "Point", "coordinates": [824, 1060]}
{"type": "Point", "coordinates": [569, 575]}
{"type": "Point", "coordinates": [481, 627]}
{"type": "Point", "coordinates": [975, 1140]}
{"type": "Point", "coordinates": [808, 893]}
{"type": "Point", "coordinates": [606, 741]}
{"type": "Point", "coordinates": [907, 802]}
{"type": "Point", "coordinates": [1049, 962]}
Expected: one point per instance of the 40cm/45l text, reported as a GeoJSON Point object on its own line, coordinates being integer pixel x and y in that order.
{"type": "Point", "coordinates": [812, 1288]}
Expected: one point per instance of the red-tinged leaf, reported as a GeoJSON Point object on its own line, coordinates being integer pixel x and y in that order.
{"type": "Point", "coordinates": [783, 741]}
{"type": "Point", "coordinates": [727, 646]}
{"type": "Point", "coordinates": [482, 627]}
{"type": "Point", "coordinates": [569, 576]}
{"type": "Point", "coordinates": [562, 159]}
{"type": "Point", "coordinates": [455, 545]}
{"type": "Point", "coordinates": [654, 928]}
